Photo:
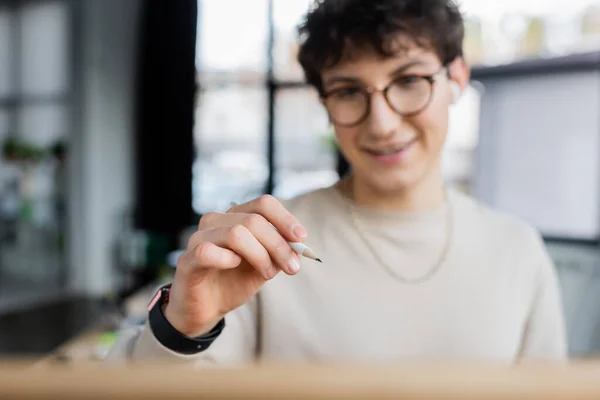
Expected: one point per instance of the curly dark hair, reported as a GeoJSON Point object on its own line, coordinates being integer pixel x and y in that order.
{"type": "Point", "coordinates": [332, 27]}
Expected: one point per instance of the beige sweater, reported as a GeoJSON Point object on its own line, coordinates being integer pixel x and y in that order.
{"type": "Point", "coordinates": [495, 298]}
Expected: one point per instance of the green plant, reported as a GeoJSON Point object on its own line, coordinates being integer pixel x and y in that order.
{"type": "Point", "coordinates": [10, 148]}
{"type": "Point", "coordinates": [15, 149]}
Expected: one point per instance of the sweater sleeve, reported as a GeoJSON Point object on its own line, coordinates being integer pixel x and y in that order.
{"type": "Point", "coordinates": [545, 333]}
{"type": "Point", "coordinates": [235, 345]}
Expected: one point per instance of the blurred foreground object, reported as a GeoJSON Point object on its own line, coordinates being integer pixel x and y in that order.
{"type": "Point", "coordinates": [405, 381]}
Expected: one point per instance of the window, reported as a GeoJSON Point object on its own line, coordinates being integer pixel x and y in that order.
{"type": "Point", "coordinates": [43, 124]}
{"type": "Point", "coordinates": [305, 156]}
{"type": "Point", "coordinates": [44, 49]}
{"type": "Point", "coordinates": [506, 31]}
{"type": "Point", "coordinates": [34, 70]}
{"type": "Point", "coordinates": [231, 46]}
{"type": "Point", "coordinates": [236, 86]}
{"type": "Point", "coordinates": [231, 116]}
{"type": "Point", "coordinates": [461, 143]}
{"type": "Point", "coordinates": [286, 16]}
{"type": "Point", "coordinates": [6, 50]}
{"type": "Point", "coordinates": [231, 163]}
{"type": "Point", "coordinates": [34, 110]}
{"type": "Point", "coordinates": [304, 149]}
{"type": "Point", "coordinates": [6, 71]}
{"type": "Point", "coordinates": [247, 101]}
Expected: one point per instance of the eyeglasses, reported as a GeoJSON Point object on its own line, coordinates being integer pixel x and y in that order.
{"type": "Point", "coordinates": [407, 96]}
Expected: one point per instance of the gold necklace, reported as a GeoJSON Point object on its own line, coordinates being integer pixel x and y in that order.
{"type": "Point", "coordinates": [431, 272]}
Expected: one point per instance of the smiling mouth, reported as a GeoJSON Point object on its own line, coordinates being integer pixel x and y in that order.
{"type": "Point", "coordinates": [387, 151]}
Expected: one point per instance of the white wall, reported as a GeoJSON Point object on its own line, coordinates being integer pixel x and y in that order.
{"type": "Point", "coordinates": [539, 151]}
{"type": "Point", "coordinates": [102, 165]}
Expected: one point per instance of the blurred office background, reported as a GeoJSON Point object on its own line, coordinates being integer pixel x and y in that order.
{"type": "Point", "coordinates": [122, 121]}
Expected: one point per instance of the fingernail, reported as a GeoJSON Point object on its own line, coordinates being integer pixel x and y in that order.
{"type": "Point", "coordinates": [299, 231]}
{"type": "Point", "coordinates": [294, 265]}
{"type": "Point", "coordinates": [270, 273]}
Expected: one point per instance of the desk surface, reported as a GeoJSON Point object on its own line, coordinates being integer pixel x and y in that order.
{"type": "Point", "coordinates": [408, 381]}
{"type": "Point", "coordinates": [86, 379]}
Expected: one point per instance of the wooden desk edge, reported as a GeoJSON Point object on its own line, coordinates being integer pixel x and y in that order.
{"type": "Point", "coordinates": [415, 381]}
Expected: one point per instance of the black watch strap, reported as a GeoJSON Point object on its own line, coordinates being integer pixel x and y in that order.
{"type": "Point", "coordinates": [170, 337]}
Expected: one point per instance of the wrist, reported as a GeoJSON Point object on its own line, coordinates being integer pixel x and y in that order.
{"type": "Point", "coordinates": [178, 322]}
{"type": "Point", "coordinates": [170, 336]}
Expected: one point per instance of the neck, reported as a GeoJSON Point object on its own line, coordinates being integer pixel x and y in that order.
{"type": "Point", "coordinates": [426, 195]}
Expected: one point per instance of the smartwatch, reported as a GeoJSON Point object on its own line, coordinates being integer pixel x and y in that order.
{"type": "Point", "coordinates": [170, 337]}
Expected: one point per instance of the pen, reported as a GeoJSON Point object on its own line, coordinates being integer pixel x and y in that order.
{"type": "Point", "coordinates": [298, 247]}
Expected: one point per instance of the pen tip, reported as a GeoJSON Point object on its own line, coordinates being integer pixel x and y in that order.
{"type": "Point", "coordinates": [318, 259]}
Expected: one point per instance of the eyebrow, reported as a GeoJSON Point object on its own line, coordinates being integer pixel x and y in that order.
{"type": "Point", "coordinates": [349, 79]}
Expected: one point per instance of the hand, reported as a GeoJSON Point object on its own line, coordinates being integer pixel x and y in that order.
{"type": "Point", "coordinates": [228, 260]}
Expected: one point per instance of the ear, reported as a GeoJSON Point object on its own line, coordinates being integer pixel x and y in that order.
{"type": "Point", "coordinates": [459, 74]}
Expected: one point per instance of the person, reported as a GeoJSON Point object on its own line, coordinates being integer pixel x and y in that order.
{"type": "Point", "coordinates": [411, 269]}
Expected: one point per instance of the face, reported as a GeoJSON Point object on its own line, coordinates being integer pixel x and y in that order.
{"type": "Point", "coordinates": [389, 152]}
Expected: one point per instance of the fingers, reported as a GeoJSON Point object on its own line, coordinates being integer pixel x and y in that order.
{"type": "Point", "coordinates": [224, 248]}
{"type": "Point", "coordinates": [248, 231]}
{"type": "Point", "coordinates": [277, 247]}
{"type": "Point", "coordinates": [274, 212]}
{"type": "Point", "coordinates": [241, 241]}
{"type": "Point", "coordinates": [208, 255]}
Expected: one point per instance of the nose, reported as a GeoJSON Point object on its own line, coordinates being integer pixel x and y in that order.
{"type": "Point", "coordinates": [383, 120]}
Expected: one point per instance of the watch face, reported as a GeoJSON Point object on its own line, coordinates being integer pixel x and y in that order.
{"type": "Point", "coordinates": [154, 299]}
{"type": "Point", "coordinates": [163, 293]}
